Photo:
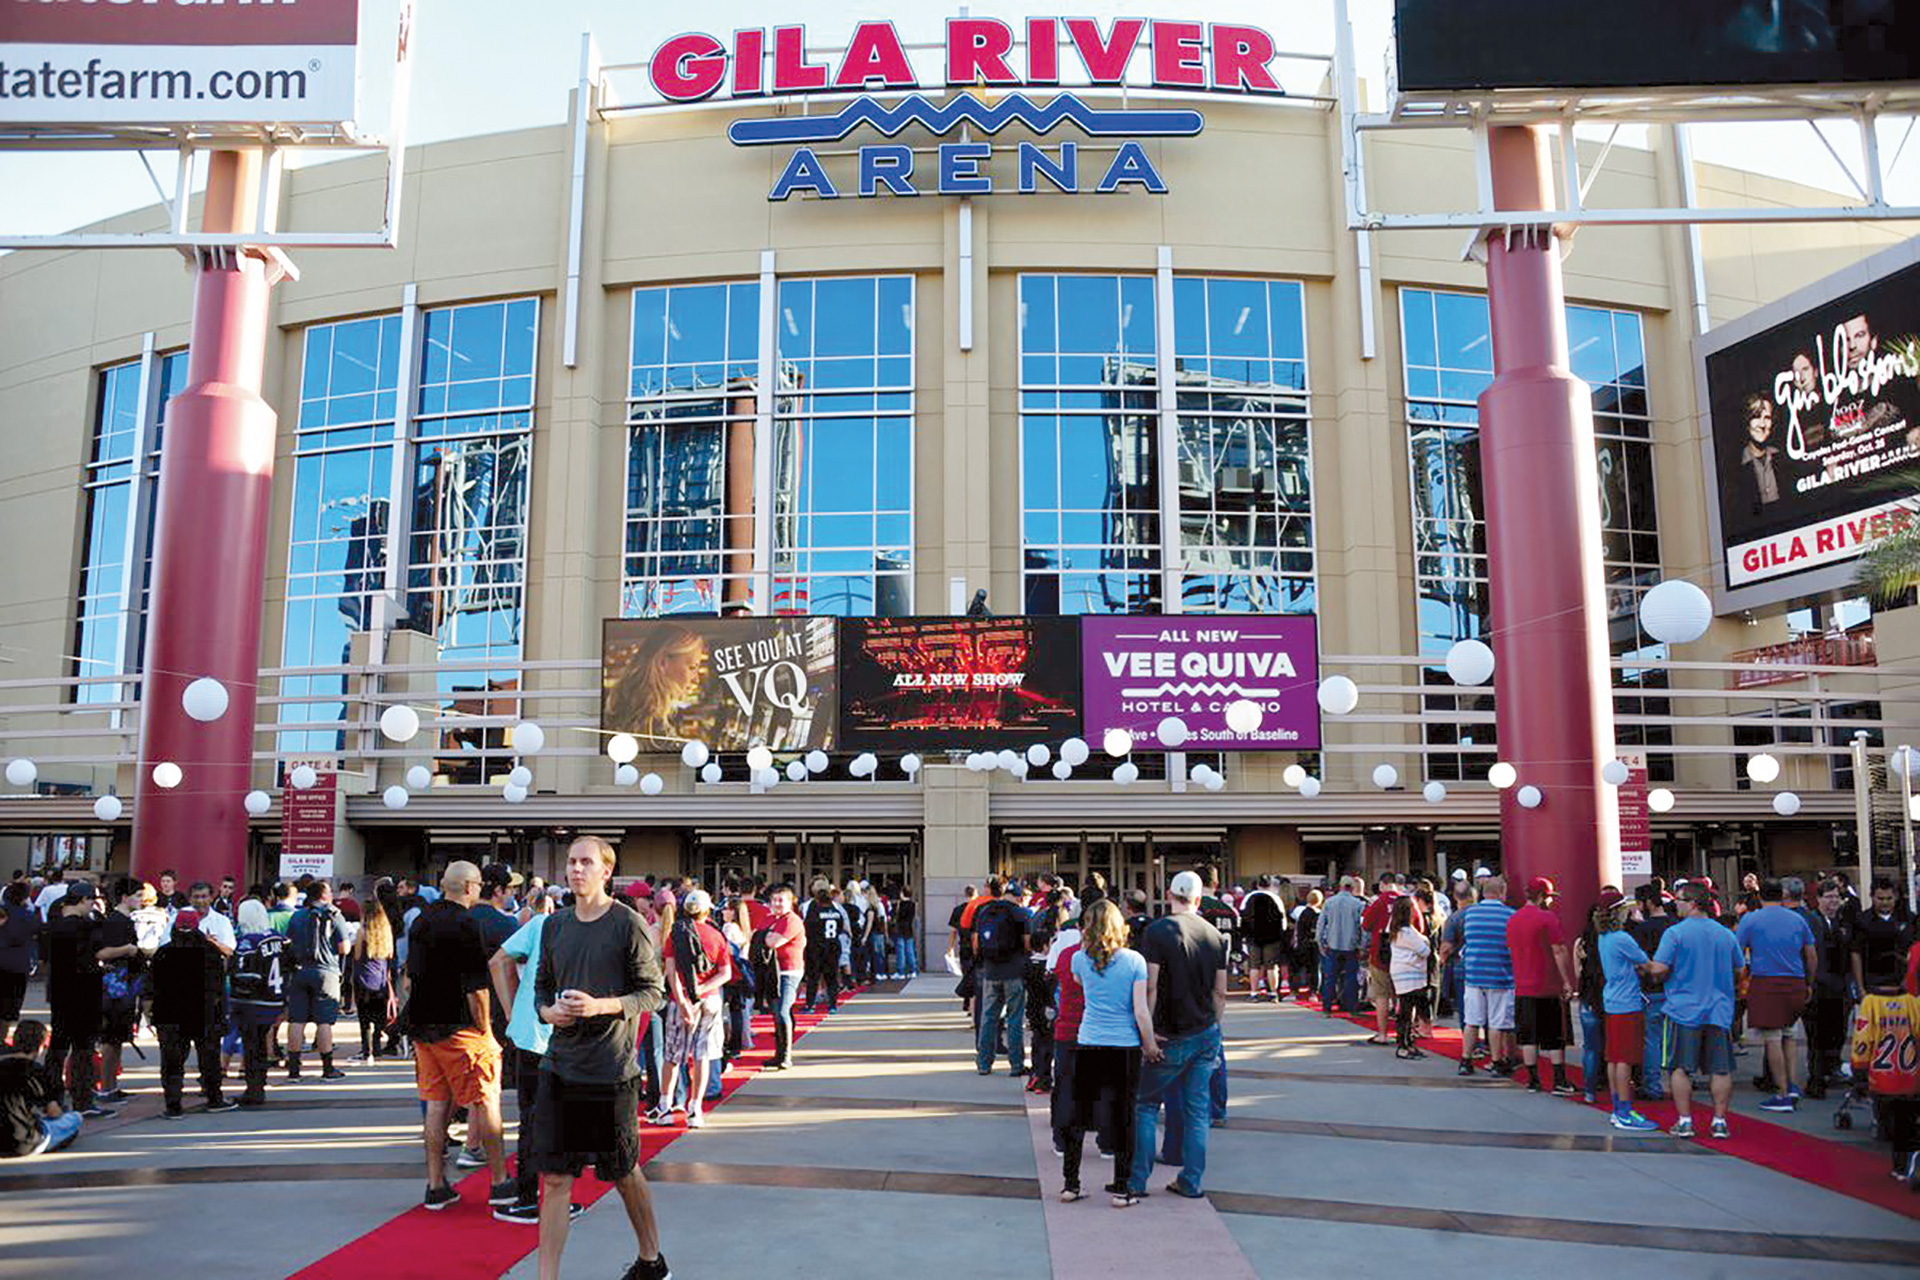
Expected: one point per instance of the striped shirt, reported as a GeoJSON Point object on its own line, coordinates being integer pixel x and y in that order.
{"type": "Point", "coordinates": [1486, 962]}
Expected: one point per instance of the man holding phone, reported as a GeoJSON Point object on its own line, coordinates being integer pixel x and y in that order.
{"type": "Point", "coordinates": [598, 973]}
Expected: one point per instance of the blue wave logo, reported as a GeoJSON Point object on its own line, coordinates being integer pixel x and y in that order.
{"type": "Point", "coordinates": [966, 109]}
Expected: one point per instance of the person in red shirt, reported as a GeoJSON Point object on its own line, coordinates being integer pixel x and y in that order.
{"type": "Point", "coordinates": [1374, 921]}
{"type": "Point", "coordinates": [787, 935]}
{"type": "Point", "coordinates": [1070, 1002]}
{"type": "Point", "coordinates": [699, 964]}
{"type": "Point", "coordinates": [1542, 986]}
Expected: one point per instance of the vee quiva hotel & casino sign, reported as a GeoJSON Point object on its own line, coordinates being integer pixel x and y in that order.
{"type": "Point", "coordinates": [1005, 78]}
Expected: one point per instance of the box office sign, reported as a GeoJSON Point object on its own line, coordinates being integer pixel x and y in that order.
{"type": "Point", "coordinates": [1137, 671]}
{"type": "Point", "coordinates": [958, 683]}
{"type": "Point", "coordinates": [732, 683]}
{"type": "Point", "coordinates": [1030, 70]}
{"type": "Point", "coordinates": [178, 61]}
{"type": "Point", "coordinates": [307, 814]}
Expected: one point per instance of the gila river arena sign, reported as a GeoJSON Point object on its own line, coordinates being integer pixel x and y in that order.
{"type": "Point", "coordinates": [990, 78]}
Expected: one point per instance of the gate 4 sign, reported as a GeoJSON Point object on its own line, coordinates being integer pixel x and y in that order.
{"type": "Point", "coordinates": [1046, 56]}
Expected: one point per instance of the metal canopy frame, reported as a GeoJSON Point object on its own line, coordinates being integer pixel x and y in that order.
{"type": "Point", "coordinates": [1477, 111]}
{"type": "Point", "coordinates": [275, 140]}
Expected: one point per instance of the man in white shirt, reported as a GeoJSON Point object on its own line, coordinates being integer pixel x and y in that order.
{"type": "Point", "coordinates": [54, 892]}
{"type": "Point", "coordinates": [217, 928]}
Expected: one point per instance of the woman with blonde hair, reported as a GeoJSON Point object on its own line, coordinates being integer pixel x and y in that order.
{"type": "Point", "coordinates": [663, 676]}
{"type": "Point", "coordinates": [1116, 1032]}
{"type": "Point", "coordinates": [373, 990]}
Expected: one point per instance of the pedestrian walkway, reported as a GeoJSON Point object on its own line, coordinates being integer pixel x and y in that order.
{"type": "Point", "coordinates": [884, 1155]}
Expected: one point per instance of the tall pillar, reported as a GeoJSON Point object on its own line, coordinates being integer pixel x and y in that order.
{"type": "Point", "coordinates": [1552, 680]}
{"type": "Point", "coordinates": [209, 557]}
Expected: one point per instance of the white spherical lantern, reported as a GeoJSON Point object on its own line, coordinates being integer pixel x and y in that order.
{"type": "Point", "coordinates": [302, 777]}
{"type": "Point", "coordinates": [869, 764]}
{"type": "Point", "coordinates": [1529, 797]}
{"type": "Point", "coordinates": [1660, 800]}
{"type": "Point", "coordinates": [1172, 732]}
{"type": "Point", "coordinates": [1786, 804]}
{"type": "Point", "coordinates": [759, 759]}
{"type": "Point", "coordinates": [419, 777]}
{"type": "Point", "coordinates": [1127, 774]}
{"type": "Point", "coordinates": [1676, 612]}
{"type": "Point", "coordinates": [1244, 716]}
{"type": "Point", "coordinates": [1470, 662]}
{"type": "Point", "coordinates": [1020, 769]}
{"type": "Point", "coordinates": [768, 779]}
{"type": "Point", "coordinates": [1903, 759]}
{"type": "Point", "coordinates": [796, 771]}
{"type": "Point", "coordinates": [205, 699]}
{"type": "Point", "coordinates": [22, 772]}
{"type": "Point", "coordinates": [107, 808]}
{"type": "Point", "coordinates": [1435, 792]}
{"type": "Point", "coordinates": [1385, 776]}
{"type": "Point", "coordinates": [1006, 759]}
{"type": "Point", "coordinates": [1763, 768]}
{"type": "Point", "coordinates": [1338, 695]}
{"type": "Point", "coordinates": [395, 797]}
{"type": "Point", "coordinates": [528, 738]}
{"type": "Point", "coordinates": [816, 762]}
{"type": "Point", "coordinates": [1309, 786]}
{"type": "Point", "coordinates": [1502, 775]}
{"type": "Point", "coordinates": [973, 761]}
{"type": "Point", "coordinates": [1293, 775]}
{"type": "Point", "coordinates": [1038, 754]}
{"type": "Point", "coordinates": [513, 795]}
{"type": "Point", "coordinates": [1200, 773]}
{"type": "Point", "coordinates": [651, 784]}
{"type": "Point", "coordinates": [258, 802]}
{"type": "Point", "coordinates": [399, 723]}
{"type": "Point", "coordinates": [1075, 751]}
{"type": "Point", "coordinates": [710, 772]}
{"type": "Point", "coordinates": [623, 748]}
{"type": "Point", "coordinates": [1062, 770]}
{"type": "Point", "coordinates": [167, 775]}
{"type": "Point", "coordinates": [521, 777]}
{"type": "Point", "coordinates": [1216, 782]}
{"type": "Point", "coordinates": [910, 764]}
{"type": "Point", "coordinates": [625, 776]}
{"type": "Point", "coordinates": [1117, 742]}
{"type": "Point", "coordinates": [1615, 773]}
{"type": "Point", "coordinates": [694, 755]}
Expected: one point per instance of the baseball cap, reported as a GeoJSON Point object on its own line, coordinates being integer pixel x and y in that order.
{"type": "Point", "coordinates": [1459, 873]}
{"type": "Point", "coordinates": [187, 920]}
{"type": "Point", "coordinates": [80, 891]}
{"type": "Point", "coordinates": [1610, 896]}
{"type": "Point", "coordinates": [639, 889]}
{"type": "Point", "coordinates": [698, 901]}
{"type": "Point", "coordinates": [1187, 885]}
{"type": "Point", "coordinates": [497, 874]}
{"type": "Point", "coordinates": [1540, 885]}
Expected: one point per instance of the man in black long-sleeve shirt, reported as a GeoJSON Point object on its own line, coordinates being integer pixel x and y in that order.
{"type": "Point", "coordinates": [599, 972]}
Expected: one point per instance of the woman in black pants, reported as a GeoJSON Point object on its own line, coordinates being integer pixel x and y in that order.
{"type": "Point", "coordinates": [1116, 1032]}
{"type": "Point", "coordinates": [373, 990]}
{"type": "Point", "coordinates": [825, 925]}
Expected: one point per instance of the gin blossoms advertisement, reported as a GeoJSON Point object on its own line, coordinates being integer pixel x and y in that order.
{"type": "Point", "coordinates": [1137, 671]}
{"type": "Point", "coordinates": [731, 683]}
{"type": "Point", "coordinates": [1809, 419]}
{"type": "Point", "coordinates": [959, 682]}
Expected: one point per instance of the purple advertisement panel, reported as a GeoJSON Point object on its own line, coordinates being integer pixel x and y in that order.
{"type": "Point", "coordinates": [1136, 671]}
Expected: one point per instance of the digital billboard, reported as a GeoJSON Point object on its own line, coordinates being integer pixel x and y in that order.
{"type": "Point", "coordinates": [179, 62]}
{"type": "Point", "coordinates": [1462, 45]}
{"type": "Point", "coordinates": [958, 683]}
{"type": "Point", "coordinates": [1137, 671]}
{"type": "Point", "coordinates": [1808, 417]}
{"type": "Point", "coordinates": [732, 683]}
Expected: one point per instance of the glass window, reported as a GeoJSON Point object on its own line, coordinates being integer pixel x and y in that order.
{"type": "Point", "coordinates": [842, 514]}
{"type": "Point", "coordinates": [1447, 340]}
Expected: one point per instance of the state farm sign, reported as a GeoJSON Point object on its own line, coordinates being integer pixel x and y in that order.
{"type": "Point", "coordinates": [178, 61]}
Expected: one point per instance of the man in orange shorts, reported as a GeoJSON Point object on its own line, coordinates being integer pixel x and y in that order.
{"type": "Point", "coordinates": [456, 1060]}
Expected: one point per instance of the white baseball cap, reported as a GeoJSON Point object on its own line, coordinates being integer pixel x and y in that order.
{"type": "Point", "coordinates": [1188, 886]}
{"type": "Point", "coordinates": [697, 902]}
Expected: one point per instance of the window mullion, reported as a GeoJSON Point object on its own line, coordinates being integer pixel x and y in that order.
{"type": "Point", "coordinates": [387, 604]}
{"type": "Point", "coordinates": [763, 399]}
{"type": "Point", "coordinates": [142, 493]}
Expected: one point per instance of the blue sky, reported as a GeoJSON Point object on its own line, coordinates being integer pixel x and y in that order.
{"type": "Point", "coordinates": [488, 65]}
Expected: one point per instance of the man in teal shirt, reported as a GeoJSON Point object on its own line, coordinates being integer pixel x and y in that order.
{"type": "Point", "coordinates": [514, 967]}
{"type": "Point", "coordinates": [1700, 962]}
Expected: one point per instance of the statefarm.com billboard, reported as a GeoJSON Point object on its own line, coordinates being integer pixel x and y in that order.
{"type": "Point", "coordinates": [159, 62]}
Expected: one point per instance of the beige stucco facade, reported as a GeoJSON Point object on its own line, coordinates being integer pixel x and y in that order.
{"type": "Point", "coordinates": [670, 200]}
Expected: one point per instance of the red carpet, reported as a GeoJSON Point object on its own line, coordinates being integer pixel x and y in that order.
{"type": "Point", "coordinates": [464, 1239]}
{"type": "Point", "coordinates": [1836, 1166]}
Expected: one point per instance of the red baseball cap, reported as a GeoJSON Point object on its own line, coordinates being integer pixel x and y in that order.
{"type": "Point", "coordinates": [1607, 896]}
{"type": "Point", "coordinates": [1540, 886]}
{"type": "Point", "coordinates": [639, 889]}
{"type": "Point", "coordinates": [187, 919]}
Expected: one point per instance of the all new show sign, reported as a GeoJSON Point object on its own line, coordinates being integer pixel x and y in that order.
{"type": "Point", "coordinates": [991, 77]}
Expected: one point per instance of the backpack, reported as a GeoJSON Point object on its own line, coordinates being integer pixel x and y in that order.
{"type": "Point", "coordinates": [119, 991]}
{"type": "Point", "coordinates": [258, 977]}
{"type": "Point", "coordinates": [306, 933]}
{"type": "Point", "coordinates": [998, 933]}
{"type": "Point", "coordinates": [690, 955]}
{"type": "Point", "coordinates": [762, 965]}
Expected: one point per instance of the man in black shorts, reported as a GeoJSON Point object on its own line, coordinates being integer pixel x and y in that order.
{"type": "Point", "coordinates": [598, 973]}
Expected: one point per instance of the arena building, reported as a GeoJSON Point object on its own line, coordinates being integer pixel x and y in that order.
{"type": "Point", "coordinates": [761, 355]}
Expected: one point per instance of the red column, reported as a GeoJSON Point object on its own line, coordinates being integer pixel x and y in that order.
{"type": "Point", "coordinates": [1552, 680]}
{"type": "Point", "coordinates": [209, 559]}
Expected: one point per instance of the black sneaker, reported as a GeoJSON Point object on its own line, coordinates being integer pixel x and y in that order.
{"type": "Point", "coordinates": [440, 1197]}
{"type": "Point", "coordinates": [643, 1269]}
{"type": "Point", "coordinates": [98, 1112]}
{"type": "Point", "coordinates": [113, 1095]}
{"type": "Point", "coordinates": [222, 1104]}
{"type": "Point", "coordinates": [333, 1073]}
{"type": "Point", "coordinates": [1533, 1085]}
{"type": "Point", "coordinates": [1465, 1068]}
{"type": "Point", "coordinates": [1566, 1088]}
{"type": "Point", "coordinates": [251, 1103]}
{"type": "Point", "coordinates": [528, 1214]}
{"type": "Point", "coordinates": [172, 1113]}
{"type": "Point", "coordinates": [504, 1193]}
